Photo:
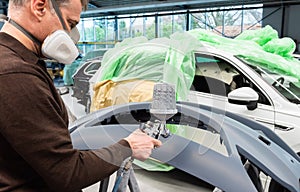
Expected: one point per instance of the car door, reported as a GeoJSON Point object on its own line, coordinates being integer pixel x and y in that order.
{"type": "Point", "coordinates": [216, 76]}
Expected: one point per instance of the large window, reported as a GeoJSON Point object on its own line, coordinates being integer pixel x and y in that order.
{"type": "Point", "coordinates": [229, 22]}
{"type": "Point", "coordinates": [135, 27]}
{"type": "Point", "coordinates": [170, 24]}
{"type": "Point", "coordinates": [104, 32]}
{"type": "Point", "coordinates": [96, 33]}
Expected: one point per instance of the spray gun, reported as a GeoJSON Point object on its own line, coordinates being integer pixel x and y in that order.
{"type": "Point", "coordinates": [163, 107]}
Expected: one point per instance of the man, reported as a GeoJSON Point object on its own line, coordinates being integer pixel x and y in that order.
{"type": "Point", "coordinates": [36, 152]}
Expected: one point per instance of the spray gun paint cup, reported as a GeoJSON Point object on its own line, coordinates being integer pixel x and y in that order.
{"type": "Point", "coordinates": [163, 105]}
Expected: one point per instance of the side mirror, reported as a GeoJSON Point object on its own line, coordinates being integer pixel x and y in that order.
{"type": "Point", "coordinates": [244, 96]}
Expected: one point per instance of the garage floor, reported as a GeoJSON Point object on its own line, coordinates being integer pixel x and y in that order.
{"type": "Point", "coordinates": [148, 181]}
{"type": "Point", "coordinates": [161, 182]}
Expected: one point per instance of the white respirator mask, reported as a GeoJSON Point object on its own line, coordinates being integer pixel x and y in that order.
{"type": "Point", "coordinates": [60, 47]}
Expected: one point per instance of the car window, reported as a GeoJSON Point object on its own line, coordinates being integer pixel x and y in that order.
{"type": "Point", "coordinates": [216, 76]}
{"type": "Point", "coordinates": [93, 54]}
{"type": "Point", "coordinates": [92, 68]}
{"type": "Point", "coordinates": [286, 84]}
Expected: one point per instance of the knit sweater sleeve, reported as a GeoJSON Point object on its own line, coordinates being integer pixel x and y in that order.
{"type": "Point", "coordinates": [32, 123]}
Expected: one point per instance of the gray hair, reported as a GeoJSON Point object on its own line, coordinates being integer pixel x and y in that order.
{"type": "Point", "coordinates": [84, 3]}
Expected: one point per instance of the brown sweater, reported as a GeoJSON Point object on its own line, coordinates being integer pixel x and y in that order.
{"type": "Point", "coordinates": [36, 152]}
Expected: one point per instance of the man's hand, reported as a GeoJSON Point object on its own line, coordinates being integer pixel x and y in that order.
{"type": "Point", "coordinates": [141, 144]}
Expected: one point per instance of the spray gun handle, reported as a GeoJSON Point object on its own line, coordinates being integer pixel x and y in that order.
{"type": "Point", "coordinates": [155, 129]}
{"type": "Point", "coordinates": [150, 129]}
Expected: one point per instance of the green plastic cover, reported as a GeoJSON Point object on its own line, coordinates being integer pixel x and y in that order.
{"type": "Point", "coordinates": [159, 59]}
{"type": "Point", "coordinates": [260, 47]}
{"type": "Point", "coordinates": [156, 60]}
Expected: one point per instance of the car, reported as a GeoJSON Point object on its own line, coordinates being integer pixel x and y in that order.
{"type": "Point", "coordinates": [224, 149]}
{"type": "Point", "coordinates": [71, 69]}
{"type": "Point", "coordinates": [226, 81]}
{"type": "Point", "coordinates": [81, 81]}
{"type": "Point", "coordinates": [270, 97]}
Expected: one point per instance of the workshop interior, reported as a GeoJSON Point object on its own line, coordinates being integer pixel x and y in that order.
{"type": "Point", "coordinates": [217, 81]}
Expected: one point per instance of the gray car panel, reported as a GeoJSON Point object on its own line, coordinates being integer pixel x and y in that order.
{"type": "Point", "coordinates": [227, 172]}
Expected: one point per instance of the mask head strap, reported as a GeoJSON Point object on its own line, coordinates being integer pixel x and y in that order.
{"type": "Point", "coordinates": [58, 13]}
{"type": "Point", "coordinates": [74, 34]}
{"type": "Point", "coordinates": [20, 28]}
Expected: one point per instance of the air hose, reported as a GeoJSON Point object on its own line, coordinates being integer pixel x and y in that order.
{"type": "Point", "coordinates": [124, 169]}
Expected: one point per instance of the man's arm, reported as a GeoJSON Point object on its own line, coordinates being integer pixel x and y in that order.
{"type": "Point", "coordinates": [39, 134]}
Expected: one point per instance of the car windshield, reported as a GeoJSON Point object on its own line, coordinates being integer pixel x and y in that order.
{"type": "Point", "coordinates": [287, 85]}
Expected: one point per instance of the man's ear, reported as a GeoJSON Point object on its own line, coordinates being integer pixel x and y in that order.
{"type": "Point", "coordinates": [39, 8]}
